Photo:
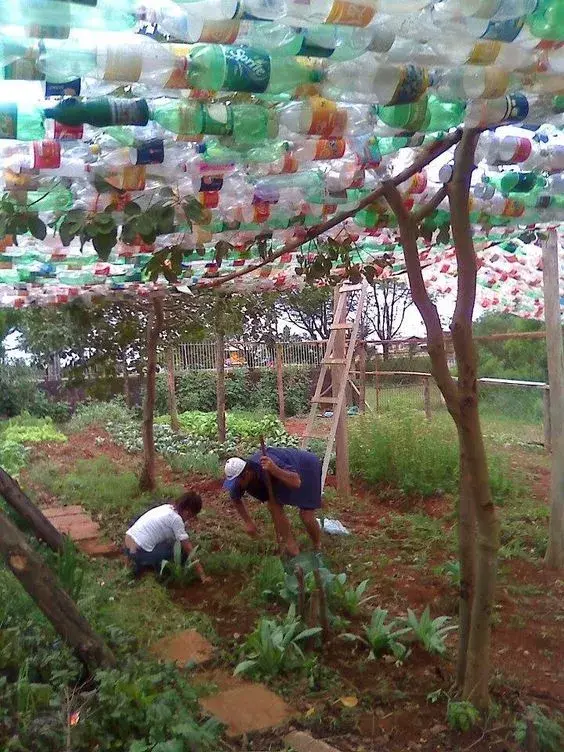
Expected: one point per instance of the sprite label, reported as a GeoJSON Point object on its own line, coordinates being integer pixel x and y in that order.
{"type": "Point", "coordinates": [246, 69]}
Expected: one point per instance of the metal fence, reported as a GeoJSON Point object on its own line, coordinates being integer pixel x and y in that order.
{"type": "Point", "coordinates": [201, 356]}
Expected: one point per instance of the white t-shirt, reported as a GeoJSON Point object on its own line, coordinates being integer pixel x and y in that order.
{"type": "Point", "coordinates": [159, 525]}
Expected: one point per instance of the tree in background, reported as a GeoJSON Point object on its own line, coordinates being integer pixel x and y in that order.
{"type": "Point", "coordinates": [511, 359]}
{"type": "Point", "coordinates": [310, 310]}
{"type": "Point", "coordinates": [386, 306]}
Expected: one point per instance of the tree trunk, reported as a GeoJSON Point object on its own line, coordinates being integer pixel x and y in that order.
{"type": "Point", "coordinates": [467, 559]}
{"type": "Point", "coordinates": [220, 387]}
{"type": "Point", "coordinates": [42, 585]}
{"type": "Point", "coordinates": [555, 354]}
{"type": "Point", "coordinates": [171, 386]}
{"type": "Point", "coordinates": [147, 481]}
{"type": "Point", "coordinates": [126, 385]}
{"type": "Point", "coordinates": [17, 499]}
{"type": "Point", "coordinates": [338, 373]}
{"type": "Point", "coordinates": [385, 350]}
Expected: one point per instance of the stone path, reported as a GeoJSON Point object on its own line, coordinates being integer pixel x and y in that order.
{"type": "Point", "coordinates": [183, 648]}
{"type": "Point", "coordinates": [75, 522]}
{"type": "Point", "coordinates": [246, 708]}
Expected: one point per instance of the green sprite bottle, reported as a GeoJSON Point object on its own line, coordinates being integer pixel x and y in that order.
{"type": "Point", "coordinates": [21, 121]}
{"type": "Point", "coordinates": [100, 112]}
{"type": "Point", "coordinates": [218, 67]}
{"type": "Point", "coordinates": [515, 182]}
{"type": "Point", "coordinates": [429, 114]}
{"type": "Point", "coordinates": [547, 21]}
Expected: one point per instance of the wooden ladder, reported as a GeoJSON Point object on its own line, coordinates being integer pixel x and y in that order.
{"type": "Point", "coordinates": [340, 364]}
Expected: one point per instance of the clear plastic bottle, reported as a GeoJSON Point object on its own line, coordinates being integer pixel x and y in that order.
{"type": "Point", "coordinates": [321, 117]}
{"type": "Point", "coordinates": [367, 80]}
{"type": "Point", "coordinates": [52, 18]}
{"type": "Point", "coordinates": [471, 82]}
{"type": "Point", "coordinates": [496, 10]}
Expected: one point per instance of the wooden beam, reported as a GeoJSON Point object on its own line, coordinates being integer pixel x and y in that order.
{"type": "Point", "coordinates": [45, 590]}
{"type": "Point", "coordinates": [171, 385]}
{"type": "Point", "coordinates": [338, 373]}
{"type": "Point", "coordinates": [555, 355]}
{"type": "Point", "coordinates": [17, 499]}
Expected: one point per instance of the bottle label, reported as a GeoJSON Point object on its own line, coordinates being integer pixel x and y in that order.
{"type": "Point", "coordinates": [128, 112]}
{"type": "Point", "coordinates": [484, 53]}
{"type": "Point", "coordinates": [246, 69]}
{"type": "Point", "coordinates": [332, 148]}
{"type": "Point", "coordinates": [209, 199]}
{"type": "Point", "coordinates": [46, 155]}
{"type": "Point", "coordinates": [350, 14]}
{"type": "Point", "coordinates": [177, 79]}
{"type": "Point", "coordinates": [219, 32]}
{"type": "Point", "coordinates": [504, 31]}
{"type": "Point", "coordinates": [68, 89]}
{"type": "Point", "coordinates": [517, 108]}
{"type": "Point", "coordinates": [544, 201]}
{"type": "Point", "coordinates": [326, 119]}
{"type": "Point", "coordinates": [211, 183]}
{"type": "Point", "coordinates": [123, 64]}
{"type": "Point", "coordinates": [150, 152]}
{"type": "Point", "coordinates": [496, 82]}
{"type": "Point", "coordinates": [63, 132]}
{"type": "Point", "coordinates": [523, 149]}
{"type": "Point", "coordinates": [8, 120]}
{"type": "Point", "coordinates": [217, 120]}
{"type": "Point", "coordinates": [128, 179]}
{"type": "Point", "coordinates": [412, 84]}
{"type": "Point", "coordinates": [290, 163]}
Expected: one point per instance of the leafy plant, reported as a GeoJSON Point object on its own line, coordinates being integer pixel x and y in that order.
{"type": "Point", "coordinates": [429, 632]}
{"type": "Point", "coordinates": [348, 599]}
{"type": "Point", "coordinates": [27, 429]}
{"type": "Point", "coordinates": [273, 648]}
{"type": "Point", "coordinates": [450, 569]}
{"type": "Point", "coordinates": [270, 578]}
{"type": "Point", "coordinates": [549, 731]}
{"type": "Point", "coordinates": [100, 413]}
{"type": "Point", "coordinates": [462, 715]}
{"type": "Point", "coordinates": [382, 636]}
{"type": "Point", "coordinates": [13, 456]}
{"type": "Point", "coordinates": [69, 571]}
{"type": "Point", "coordinates": [181, 569]}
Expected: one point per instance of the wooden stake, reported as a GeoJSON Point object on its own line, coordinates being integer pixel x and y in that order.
{"type": "Point", "coordinates": [555, 354]}
{"type": "Point", "coordinates": [546, 419]}
{"type": "Point", "coordinates": [170, 380]}
{"type": "Point", "coordinates": [220, 384]}
{"type": "Point", "coordinates": [301, 593]}
{"type": "Point", "coordinates": [45, 590]}
{"type": "Point", "coordinates": [362, 378]}
{"type": "Point", "coordinates": [280, 381]}
{"type": "Point", "coordinates": [323, 613]}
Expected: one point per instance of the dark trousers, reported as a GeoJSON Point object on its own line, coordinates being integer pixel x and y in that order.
{"type": "Point", "coordinates": [142, 559]}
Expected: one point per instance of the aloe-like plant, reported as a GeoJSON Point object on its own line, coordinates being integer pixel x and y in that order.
{"type": "Point", "coordinates": [349, 599]}
{"type": "Point", "coordinates": [429, 632]}
{"type": "Point", "coordinates": [178, 570]}
{"type": "Point", "coordinates": [383, 636]}
{"type": "Point", "coordinates": [273, 648]}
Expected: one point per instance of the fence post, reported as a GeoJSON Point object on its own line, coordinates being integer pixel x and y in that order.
{"type": "Point", "coordinates": [280, 380]}
{"type": "Point", "coordinates": [546, 419]}
{"type": "Point", "coordinates": [362, 377]}
{"type": "Point", "coordinates": [377, 383]}
{"type": "Point", "coordinates": [427, 397]}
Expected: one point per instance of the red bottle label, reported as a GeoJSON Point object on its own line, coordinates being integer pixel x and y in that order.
{"type": "Point", "coordinates": [46, 155]}
{"type": "Point", "coordinates": [63, 132]}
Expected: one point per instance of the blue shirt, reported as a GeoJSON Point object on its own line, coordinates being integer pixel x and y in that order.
{"type": "Point", "coordinates": [305, 464]}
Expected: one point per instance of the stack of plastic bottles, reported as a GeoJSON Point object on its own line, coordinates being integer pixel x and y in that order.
{"type": "Point", "coordinates": [275, 115]}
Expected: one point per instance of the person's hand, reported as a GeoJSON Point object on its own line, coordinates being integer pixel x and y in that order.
{"type": "Point", "coordinates": [251, 529]}
{"type": "Point", "coordinates": [267, 464]}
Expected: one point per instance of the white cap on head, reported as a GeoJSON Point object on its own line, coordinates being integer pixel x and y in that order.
{"type": "Point", "coordinates": [234, 467]}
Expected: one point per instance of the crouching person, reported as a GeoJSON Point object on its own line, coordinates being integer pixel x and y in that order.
{"type": "Point", "coordinates": [151, 538]}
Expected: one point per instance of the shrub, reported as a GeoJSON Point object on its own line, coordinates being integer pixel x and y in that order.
{"type": "Point", "coordinates": [383, 636]}
{"type": "Point", "coordinates": [429, 632]}
{"type": "Point", "coordinates": [13, 456]}
{"type": "Point", "coordinates": [462, 715]}
{"type": "Point", "coordinates": [18, 387]}
{"type": "Point", "coordinates": [549, 731]}
{"type": "Point", "coordinates": [100, 414]}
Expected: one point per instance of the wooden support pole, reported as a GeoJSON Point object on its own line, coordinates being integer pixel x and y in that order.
{"type": "Point", "coordinates": [279, 356]}
{"type": "Point", "coordinates": [427, 397]}
{"type": "Point", "coordinates": [171, 386]}
{"type": "Point", "coordinates": [147, 481]}
{"type": "Point", "coordinates": [338, 373]}
{"type": "Point", "coordinates": [17, 499]}
{"type": "Point", "coordinates": [220, 383]}
{"type": "Point", "coordinates": [45, 590]}
{"type": "Point", "coordinates": [546, 419]}
{"type": "Point", "coordinates": [555, 355]}
{"type": "Point", "coordinates": [362, 378]}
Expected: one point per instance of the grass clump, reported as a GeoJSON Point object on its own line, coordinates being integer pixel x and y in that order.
{"type": "Point", "coordinates": [549, 732]}
{"type": "Point", "coordinates": [96, 413]}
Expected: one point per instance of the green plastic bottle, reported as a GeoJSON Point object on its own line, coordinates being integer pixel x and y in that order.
{"type": "Point", "coordinates": [182, 117]}
{"type": "Point", "coordinates": [429, 114]}
{"type": "Point", "coordinates": [515, 182]}
{"type": "Point", "coordinates": [218, 67]}
{"type": "Point", "coordinates": [547, 21]}
{"type": "Point", "coordinates": [100, 112]}
{"type": "Point", "coordinates": [253, 123]}
{"type": "Point", "coordinates": [21, 121]}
